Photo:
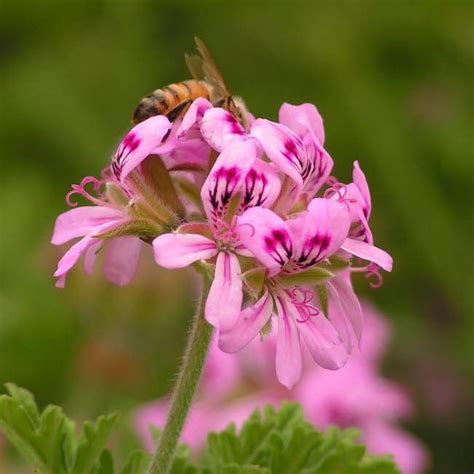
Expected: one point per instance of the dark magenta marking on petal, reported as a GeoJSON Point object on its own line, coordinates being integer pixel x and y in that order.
{"type": "Point", "coordinates": [256, 185]}
{"type": "Point", "coordinates": [226, 180]}
{"type": "Point", "coordinates": [129, 144]}
{"type": "Point", "coordinates": [313, 250]}
{"type": "Point", "coordinates": [290, 147]}
{"type": "Point", "coordinates": [235, 126]}
{"type": "Point", "coordinates": [278, 245]}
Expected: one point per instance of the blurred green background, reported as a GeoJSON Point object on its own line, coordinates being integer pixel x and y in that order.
{"type": "Point", "coordinates": [393, 81]}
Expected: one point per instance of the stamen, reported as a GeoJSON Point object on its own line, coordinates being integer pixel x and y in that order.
{"type": "Point", "coordinates": [374, 271]}
{"type": "Point", "coordinates": [341, 190]}
{"type": "Point", "coordinates": [371, 271]}
{"type": "Point", "coordinates": [302, 298]}
{"type": "Point", "coordinates": [80, 189]}
{"type": "Point", "coordinates": [247, 224]}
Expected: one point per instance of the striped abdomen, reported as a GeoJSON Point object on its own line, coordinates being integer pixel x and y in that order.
{"type": "Point", "coordinates": [171, 100]}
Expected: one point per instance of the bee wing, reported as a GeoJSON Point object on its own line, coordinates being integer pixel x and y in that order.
{"type": "Point", "coordinates": [210, 70]}
{"type": "Point", "coordinates": [195, 66]}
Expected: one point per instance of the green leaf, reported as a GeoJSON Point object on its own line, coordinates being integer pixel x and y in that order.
{"type": "Point", "coordinates": [106, 463]}
{"type": "Point", "coordinates": [247, 469]}
{"type": "Point", "coordinates": [270, 442]}
{"type": "Point", "coordinates": [137, 463]}
{"type": "Point", "coordinates": [92, 442]}
{"type": "Point", "coordinates": [39, 439]}
{"type": "Point", "coordinates": [253, 445]}
{"type": "Point", "coordinates": [282, 442]}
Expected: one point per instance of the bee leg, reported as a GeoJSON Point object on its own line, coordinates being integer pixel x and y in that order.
{"type": "Point", "coordinates": [179, 110]}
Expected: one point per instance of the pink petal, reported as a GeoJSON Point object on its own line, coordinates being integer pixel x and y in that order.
{"type": "Point", "coordinates": [288, 352]}
{"type": "Point", "coordinates": [251, 320]}
{"type": "Point", "coordinates": [219, 128]}
{"type": "Point", "coordinates": [181, 250]}
{"type": "Point", "coordinates": [368, 252]}
{"type": "Point", "coordinates": [91, 256]}
{"type": "Point", "coordinates": [224, 301]}
{"type": "Point", "coordinates": [282, 146]}
{"type": "Point", "coordinates": [323, 342]}
{"type": "Point", "coordinates": [261, 186]}
{"type": "Point", "coordinates": [121, 259]}
{"type": "Point", "coordinates": [409, 453]}
{"type": "Point", "coordinates": [152, 414]}
{"type": "Point", "coordinates": [193, 116]}
{"type": "Point", "coordinates": [138, 144]}
{"type": "Point", "coordinates": [192, 153]}
{"type": "Point", "coordinates": [81, 221]}
{"type": "Point", "coordinates": [350, 304]}
{"type": "Point", "coordinates": [267, 236]}
{"type": "Point", "coordinates": [301, 118]}
{"type": "Point", "coordinates": [322, 231]}
{"type": "Point", "coordinates": [359, 179]}
{"type": "Point", "coordinates": [322, 167]}
{"type": "Point", "coordinates": [70, 258]}
{"type": "Point", "coordinates": [338, 318]}
{"type": "Point", "coordinates": [226, 177]}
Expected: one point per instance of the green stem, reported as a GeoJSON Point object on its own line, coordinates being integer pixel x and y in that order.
{"type": "Point", "coordinates": [188, 379]}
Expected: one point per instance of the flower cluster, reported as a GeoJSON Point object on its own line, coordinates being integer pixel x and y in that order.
{"type": "Point", "coordinates": [252, 203]}
{"type": "Point", "coordinates": [355, 396]}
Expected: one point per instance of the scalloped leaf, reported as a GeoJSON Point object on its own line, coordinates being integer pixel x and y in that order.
{"type": "Point", "coordinates": [48, 440]}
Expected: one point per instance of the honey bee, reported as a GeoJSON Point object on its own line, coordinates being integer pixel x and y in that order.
{"type": "Point", "coordinates": [173, 100]}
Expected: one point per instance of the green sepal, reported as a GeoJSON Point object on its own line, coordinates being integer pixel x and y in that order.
{"type": "Point", "coordinates": [190, 191]}
{"type": "Point", "coordinates": [311, 277]}
{"type": "Point", "coordinates": [158, 179]}
{"type": "Point", "coordinates": [266, 328]}
{"type": "Point", "coordinates": [204, 268]}
{"type": "Point", "coordinates": [141, 228]}
{"type": "Point", "coordinates": [254, 280]}
{"type": "Point", "coordinates": [115, 195]}
{"type": "Point", "coordinates": [187, 167]}
{"type": "Point", "coordinates": [200, 228]}
{"type": "Point", "coordinates": [336, 264]}
{"type": "Point", "coordinates": [148, 204]}
{"type": "Point", "coordinates": [322, 292]}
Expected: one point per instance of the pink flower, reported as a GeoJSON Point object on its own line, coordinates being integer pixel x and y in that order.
{"type": "Point", "coordinates": [287, 248]}
{"type": "Point", "coordinates": [237, 181]}
{"type": "Point", "coordinates": [254, 206]}
{"type": "Point", "coordinates": [89, 223]}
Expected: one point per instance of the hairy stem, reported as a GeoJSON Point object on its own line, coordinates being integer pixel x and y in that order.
{"type": "Point", "coordinates": [188, 379]}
